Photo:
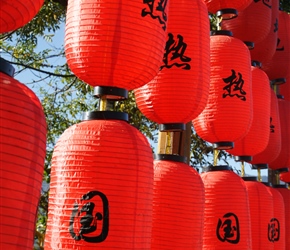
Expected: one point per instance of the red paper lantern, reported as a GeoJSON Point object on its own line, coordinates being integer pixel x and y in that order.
{"type": "Point", "coordinates": [176, 209]}
{"type": "Point", "coordinates": [283, 159]}
{"type": "Point", "coordinates": [261, 211]}
{"type": "Point", "coordinates": [226, 216]}
{"type": "Point", "coordinates": [273, 148]}
{"type": "Point", "coordinates": [286, 196]}
{"type": "Point", "coordinates": [182, 84]}
{"type": "Point", "coordinates": [15, 14]}
{"type": "Point", "coordinates": [285, 176]}
{"type": "Point", "coordinates": [115, 43]}
{"type": "Point", "coordinates": [285, 89]}
{"type": "Point", "coordinates": [253, 23]}
{"type": "Point", "coordinates": [264, 50]}
{"type": "Point", "coordinates": [101, 186]}
{"type": "Point", "coordinates": [228, 114]}
{"type": "Point", "coordinates": [23, 148]}
{"type": "Point", "coordinates": [216, 5]}
{"type": "Point", "coordinates": [277, 224]}
{"type": "Point", "coordinates": [279, 65]}
{"type": "Point", "coordinates": [257, 138]}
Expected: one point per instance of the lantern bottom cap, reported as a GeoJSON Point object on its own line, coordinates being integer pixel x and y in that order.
{"type": "Point", "coordinates": [260, 166]}
{"type": "Point", "coordinates": [246, 158]}
{"type": "Point", "coordinates": [278, 81]}
{"type": "Point", "coordinates": [250, 45]}
{"type": "Point", "coordinates": [282, 170]}
{"type": "Point", "coordinates": [227, 14]}
{"type": "Point", "coordinates": [279, 186]}
{"type": "Point", "coordinates": [172, 127]}
{"type": "Point", "coordinates": [170, 157]}
{"type": "Point", "coordinates": [105, 115]}
{"type": "Point", "coordinates": [111, 93]}
{"type": "Point", "coordinates": [223, 145]}
{"type": "Point", "coordinates": [6, 67]}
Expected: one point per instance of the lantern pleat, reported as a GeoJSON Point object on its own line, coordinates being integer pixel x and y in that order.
{"type": "Point", "coordinates": [226, 215]}
{"type": "Point", "coordinates": [17, 13]}
{"type": "Point", "coordinates": [182, 84]}
{"type": "Point", "coordinates": [278, 221]}
{"type": "Point", "coordinates": [264, 51]}
{"type": "Point", "coordinates": [178, 205]}
{"type": "Point", "coordinates": [115, 43]}
{"type": "Point", "coordinates": [22, 154]}
{"type": "Point", "coordinates": [256, 140]}
{"type": "Point", "coordinates": [228, 113]}
{"type": "Point", "coordinates": [273, 148]}
{"type": "Point", "coordinates": [261, 211]}
{"type": "Point", "coordinates": [285, 176]}
{"type": "Point", "coordinates": [252, 24]}
{"type": "Point", "coordinates": [101, 188]}
{"type": "Point", "coordinates": [279, 65]}
{"type": "Point", "coordinates": [285, 89]}
{"type": "Point", "coordinates": [286, 197]}
{"type": "Point", "coordinates": [215, 5]}
{"type": "Point", "coordinates": [283, 159]}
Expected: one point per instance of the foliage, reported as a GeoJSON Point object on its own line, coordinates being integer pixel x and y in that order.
{"type": "Point", "coordinates": [63, 96]}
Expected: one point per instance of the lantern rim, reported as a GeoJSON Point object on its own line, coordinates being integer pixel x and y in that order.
{"type": "Point", "coordinates": [168, 157]}
{"type": "Point", "coordinates": [218, 168]}
{"type": "Point", "coordinates": [250, 178]}
{"type": "Point", "coordinates": [172, 127]}
{"type": "Point", "coordinates": [227, 14]}
{"type": "Point", "coordinates": [111, 93]}
{"type": "Point", "coordinates": [243, 158]}
{"type": "Point", "coordinates": [6, 67]}
{"type": "Point", "coordinates": [260, 166]}
{"type": "Point", "coordinates": [105, 115]}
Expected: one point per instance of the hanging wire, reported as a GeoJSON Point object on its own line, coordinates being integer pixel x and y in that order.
{"type": "Point", "coordinates": [168, 146]}
{"type": "Point", "coordinates": [103, 103]}
{"type": "Point", "coordinates": [215, 156]}
{"type": "Point", "coordinates": [242, 169]}
{"type": "Point", "coordinates": [259, 175]}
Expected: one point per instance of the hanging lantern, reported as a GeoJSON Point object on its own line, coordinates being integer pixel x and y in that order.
{"type": "Point", "coordinates": [283, 159]}
{"type": "Point", "coordinates": [101, 186]}
{"type": "Point", "coordinates": [285, 89]}
{"type": "Point", "coordinates": [23, 149]}
{"type": "Point", "coordinates": [260, 197]}
{"type": "Point", "coordinates": [264, 50]}
{"type": "Point", "coordinates": [226, 215]}
{"type": "Point", "coordinates": [115, 43]}
{"type": "Point", "coordinates": [253, 23]}
{"type": "Point", "coordinates": [182, 84]}
{"type": "Point", "coordinates": [286, 197]}
{"type": "Point", "coordinates": [279, 65]}
{"type": "Point", "coordinates": [229, 8]}
{"type": "Point", "coordinates": [15, 14]}
{"type": "Point", "coordinates": [257, 138]}
{"type": "Point", "coordinates": [228, 115]}
{"type": "Point", "coordinates": [273, 149]}
{"type": "Point", "coordinates": [178, 194]}
{"type": "Point", "coordinates": [277, 223]}
{"type": "Point", "coordinates": [285, 176]}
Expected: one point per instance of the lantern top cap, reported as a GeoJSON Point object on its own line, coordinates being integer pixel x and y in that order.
{"type": "Point", "coordinates": [246, 158]}
{"type": "Point", "coordinates": [218, 168]}
{"type": "Point", "coordinates": [105, 115]}
{"type": "Point", "coordinates": [260, 166]}
{"type": "Point", "coordinates": [256, 64]}
{"type": "Point", "coordinates": [168, 157]}
{"type": "Point", "coordinates": [221, 33]}
{"type": "Point", "coordinates": [250, 178]}
{"type": "Point", "coordinates": [280, 96]}
{"type": "Point", "coordinates": [6, 67]}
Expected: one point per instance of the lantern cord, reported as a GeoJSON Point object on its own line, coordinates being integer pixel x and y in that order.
{"type": "Point", "coordinates": [242, 168]}
{"type": "Point", "coordinates": [168, 146]}
{"type": "Point", "coordinates": [277, 178]}
{"type": "Point", "coordinates": [103, 103]}
{"type": "Point", "coordinates": [259, 175]}
{"type": "Point", "coordinates": [219, 22]}
{"type": "Point", "coordinates": [215, 156]}
{"type": "Point", "coordinates": [275, 88]}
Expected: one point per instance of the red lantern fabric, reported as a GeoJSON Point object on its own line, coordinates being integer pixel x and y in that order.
{"type": "Point", "coordinates": [253, 23]}
{"type": "Point", "coordinates": [228, 113]}
{"type": "Point", "coordinates": [226, 215]}
{"type": "Point", "coordinates": [215, 5]}
{"type": "Point", "coordinates": [15, 14]}
{"type": "Point", "coordinates": [101, 188]}
{"type": "Point", "coordinates": [277, 224]}
{"type": "Point", "coordinates": [182, 84]}
{"type": "Point", "coordinates": [286, 196]}
{"type": "Point", "coordinates": [283, 159]}
{"type": "Point", "coordinates": [261, 211]}
{"type": "Point", "coordinates": [279, 65]}
{"type": "Point", "coordinates": [184, 206]}
{"type": "Point", "coordinates": [285, 176]}
{"type": "Point", "coordinates": [115, 43]}
{"type": "Point", "coordinates": [23, 149]}
{"type": "Point", "coordinates": [264, 51]}
{"type": "Point", "coordinates": [273, 149]}
{"type": "Point", "coordinates": [257, 138]}
{"type": "Point", "coordinates": [285, 89]}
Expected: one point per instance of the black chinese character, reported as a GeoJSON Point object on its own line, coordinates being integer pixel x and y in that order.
{"type": "Point", "coordinates": [228, 229]}
{"type": "Point", "coordinates": [234, 86]}
{"type": "Point", "coordinates": [155, 10]}
{"type": "Point", "coordinates": [265, 2]}
{"type": "Point", "coordinates": [274, 230]}
{"type": "Point", "coordinates": [272, 127]}
{"type": "Point", "coordinates": [175, 49]}
{"type": "Point", "coordinates": [276, 25]}
{"type": "Point", "coordinates": [84, 219]}
{"type": "Point", "coordinates": [278, 44]}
